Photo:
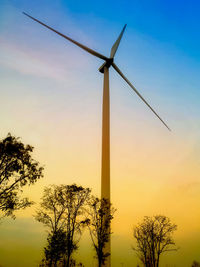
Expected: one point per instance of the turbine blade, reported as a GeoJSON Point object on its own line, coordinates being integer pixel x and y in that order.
{"type": "Point", "coordinates": [129, 83]}
{"type": "Point", "coordinates": [116, 44]}
{"type": "Point", "coordinates": [94, 53]}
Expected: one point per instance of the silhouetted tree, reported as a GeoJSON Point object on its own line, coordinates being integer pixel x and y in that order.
{"type": "Point", "coordinates": [61, 210]}
{"type": "Point", "coordinates": [154, 237]}
{"type": "Point", "coordinates": [195, 264]}
{"type": "Point", "coordinates": [17, 169]}
{"type": "Point", "coordinates": [55, 248]}
{"type": "Point", "coordinates": [100, 215]}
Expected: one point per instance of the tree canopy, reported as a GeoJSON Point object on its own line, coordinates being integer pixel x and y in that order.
{"type": "Point", "coordinates": [17, 169]}
{"type": "Point", "coordinates": [100, 214]}
{"type": "Point", "coordinates": [61, 210]}
{"type": "Point", "coordinates": [153, 238]}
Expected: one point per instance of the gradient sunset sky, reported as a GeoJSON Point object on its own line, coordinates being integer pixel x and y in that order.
{"type": "Point", "coordinates": [51, 97]}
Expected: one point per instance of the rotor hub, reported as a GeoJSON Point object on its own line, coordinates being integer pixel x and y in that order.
{"type": "Point", "coordinates": [106, 64]}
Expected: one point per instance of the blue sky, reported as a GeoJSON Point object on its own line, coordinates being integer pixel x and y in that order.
{"type": "Point", "coordinates": [172, 22]}
{"type": "Point", "coordinates": [175, 23]}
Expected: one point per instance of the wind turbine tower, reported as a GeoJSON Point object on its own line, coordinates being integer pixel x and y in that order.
{"type": "Point", "coordinates": [108, 62]}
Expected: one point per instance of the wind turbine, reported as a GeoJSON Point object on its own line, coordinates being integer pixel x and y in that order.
{"type": "Point", "coordinates": [108, 62]}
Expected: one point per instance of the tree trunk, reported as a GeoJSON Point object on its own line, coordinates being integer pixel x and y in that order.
{"type": "Point", "coordinates": [68, 261]}
{"type": "Point", "coordinates": [157, 265]}
{"type": "Point", "coordinates": [99, 263]}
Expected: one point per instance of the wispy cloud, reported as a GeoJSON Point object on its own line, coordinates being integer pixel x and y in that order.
{"type": "Point", "coordinates": [26, 62]}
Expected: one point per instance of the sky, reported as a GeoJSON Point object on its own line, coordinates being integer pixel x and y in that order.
{"type": "Point", "coordinates": [51, 97]}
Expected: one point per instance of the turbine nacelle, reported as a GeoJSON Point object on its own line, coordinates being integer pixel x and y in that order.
{"type": "Point", "coordinates": [107, 64]}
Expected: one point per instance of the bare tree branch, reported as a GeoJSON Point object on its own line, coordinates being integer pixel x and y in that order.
{"type": "Point", "coordinates": [153, 238]}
